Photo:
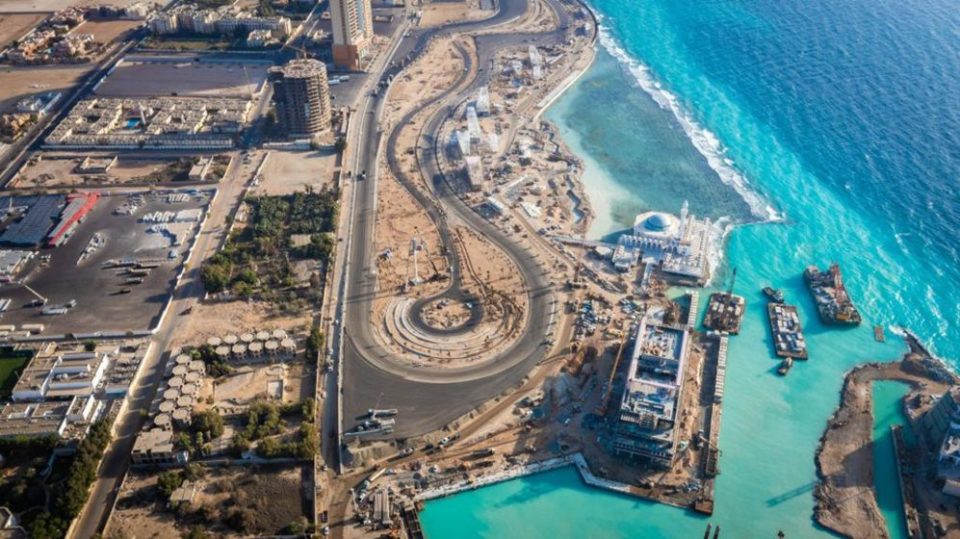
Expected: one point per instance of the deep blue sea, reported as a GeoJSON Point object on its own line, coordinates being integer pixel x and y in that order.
{"type": "Point", "coordinates": [812, 131]}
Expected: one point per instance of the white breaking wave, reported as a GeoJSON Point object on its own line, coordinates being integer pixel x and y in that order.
{"type": "Point", "coordinates": [703, 140]}
{"type": "Point", "coordinates": [719, 230]}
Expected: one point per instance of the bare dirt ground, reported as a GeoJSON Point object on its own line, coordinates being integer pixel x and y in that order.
{"type": "Point", "coordinates": [490, 275]}
{"type": "Point", "coordinates": [14, 26]}
{"type": "Point", "coordinates": [60, 171]}
{"type": "Point", "coordinates": [288, 171]}
{"type": "Point", "coordinates": [399, 218]}
{"type": "Point", "coordinates": [248, 383]}
{"type": "Point", "coordinates": [36, 6]}
{"type": "Point", "coordinates": [107, 31]}
{"type": "Point", "coordinates": [495, 277]}
{"type": "Point", "coordinates": [270, 497]}
{"type": "Point", "coordinates": [399, 221]}
{"type": "Point", "coordinates": [216, 319]}
{"type": "Point", "coordinates": [445, 314]}
{"type": "Point", "coordinates": [845, 498]}
{"type": "Point", "coordinates": [435, 14]}
{"type": "Point", "coordinates": [19, 82]}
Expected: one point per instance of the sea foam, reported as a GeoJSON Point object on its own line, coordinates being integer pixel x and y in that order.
{"type": "Point", "coordinates": [706, 143]}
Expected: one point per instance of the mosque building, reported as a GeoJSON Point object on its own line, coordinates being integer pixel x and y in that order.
{"type": "Point", "coordinates": [679, 246]}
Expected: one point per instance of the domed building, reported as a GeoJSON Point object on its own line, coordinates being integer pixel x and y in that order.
{"type": "Point", "coordinates": [655, 223]}
{"type": "Point", "coordinates": [678, 246]}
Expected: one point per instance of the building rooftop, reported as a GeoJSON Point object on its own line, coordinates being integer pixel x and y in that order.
{"type": "Point", "coordinates": [62, 371]}
{"type": "Point", "coordinates": [654, 384]}
{"type": "Point", "coordinates": [154, 441]}
{"type": "Point", "coordinates": [301, 68]}
{"type": "Point", "coordinates": [33, 419]}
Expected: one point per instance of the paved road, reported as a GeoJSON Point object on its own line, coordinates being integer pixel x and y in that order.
{"type": "Point", "coordinates": [116, 460]}
{"type": "Point", "coordinates": [426, 398]}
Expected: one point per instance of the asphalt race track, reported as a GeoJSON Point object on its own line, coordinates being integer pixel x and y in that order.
{"type": "Point", "coordinates": [429, 398]}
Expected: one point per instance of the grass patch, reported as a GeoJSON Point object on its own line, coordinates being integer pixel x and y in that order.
{"type": "Point", "coordinates": [11, 365]}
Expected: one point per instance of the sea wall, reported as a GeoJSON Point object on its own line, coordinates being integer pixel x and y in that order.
{"type": "Point", "coordinates": [515, 472]}
{"type": "Point", "coordinates": [845, 496]}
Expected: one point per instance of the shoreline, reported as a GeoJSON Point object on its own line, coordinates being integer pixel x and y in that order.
{"type": "Point", "coordinates": [845, 497]}
{"type": "Point", "coordinates": [576, 460]}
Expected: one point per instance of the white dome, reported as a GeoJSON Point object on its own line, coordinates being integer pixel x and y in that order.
{"type": "Point", "coordinates": [656, 224]}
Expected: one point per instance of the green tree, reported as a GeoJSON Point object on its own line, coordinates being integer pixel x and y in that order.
{"type": "Point", "coordinates": [340, 145]}
{"type": "Point", "coordinates": [314, 344]}
{"type": "Point", "coordinates": [167, 482]}
{"type": "Point", "coordinates": [215, 277]}
{"type": "Point", "coordinates": [307, 446]}
{"type": "Point", "coordinates": [248, 276]}
{"type": "Point", "coordinates": [308, 409]}
{"type": "Point", "coordinates": [208, 423]}
{"type": "Point", "coordinates": [196, 532]}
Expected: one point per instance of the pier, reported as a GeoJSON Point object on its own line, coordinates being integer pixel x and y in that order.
{"type": "Point", "coordinates": [693, 309]}
{"type": "Point", "coordinates": [711, 458]}
{"type": "Point", "coordinates": [907, 492]}
{"type": "Point", "coordinates": [711, 465]}
{"type": "Point", "coordinates": [411, 522]}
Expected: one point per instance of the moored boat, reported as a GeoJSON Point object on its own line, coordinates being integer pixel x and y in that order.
{"type": "Point", "coordinates": [785, 366]}
{"type": "Point", "coordinates": [773, 294]}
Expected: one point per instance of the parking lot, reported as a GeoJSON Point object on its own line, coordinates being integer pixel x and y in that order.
{"type": "Point", "coordinates": [185, 75]}
{"type": "Point", "coordinates": [109, 298]}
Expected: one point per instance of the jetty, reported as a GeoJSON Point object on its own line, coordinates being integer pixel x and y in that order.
{"type": "Point", "coordinates": [411, 521]}
{"type": "Point", "coordinates": [908, 493]}
{"type": "Point", "coordinates": [830, 295]}
{"type": "Point", "coordinates": [788, 340]}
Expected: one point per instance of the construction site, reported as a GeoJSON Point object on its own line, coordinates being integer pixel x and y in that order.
{"type": "Point", "coordinates": [58, 170]}
{"type": "Point", "coordinates": [629, 393]}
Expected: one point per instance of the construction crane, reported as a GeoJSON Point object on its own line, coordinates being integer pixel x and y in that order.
{"type": "Point", "coordinates": [40, 299]}
{"type": "Point", "coordinates": [416, 244]}
{"type": "Point", "coordinates": [426, 252]}
{"type": "Point", "coordinates": [733, 279]}
{"type": "Point", "coordinates": [608, 390]}
{"type": "Point", "coordinates": [143, 117]}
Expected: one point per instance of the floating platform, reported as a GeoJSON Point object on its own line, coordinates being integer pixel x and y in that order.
{"type": "Point", "coordinates": [878, 334]}
{"type": "Point", "coordinates": [829, 293]}
{"type": "Point", "coordinates": [788, 340]}
{"type": "Point", "coordinates": [725, 312]}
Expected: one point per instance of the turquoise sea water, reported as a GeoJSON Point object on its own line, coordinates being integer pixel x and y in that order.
{"type": "Point", "coordinates": [887, 411]}
{"type": "Point", "coordinates": [824, 131]}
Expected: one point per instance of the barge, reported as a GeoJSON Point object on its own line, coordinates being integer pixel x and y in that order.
{"type": "Point", "coordinates": [788, 340]}
{"type": "Point", "coordinates": [725, 312]}
{"type": "Point", "coordinates": [830, 295]}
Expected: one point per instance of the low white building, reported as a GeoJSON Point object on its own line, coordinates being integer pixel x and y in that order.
{"type": "Point", "coordinates": [680, 246]}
